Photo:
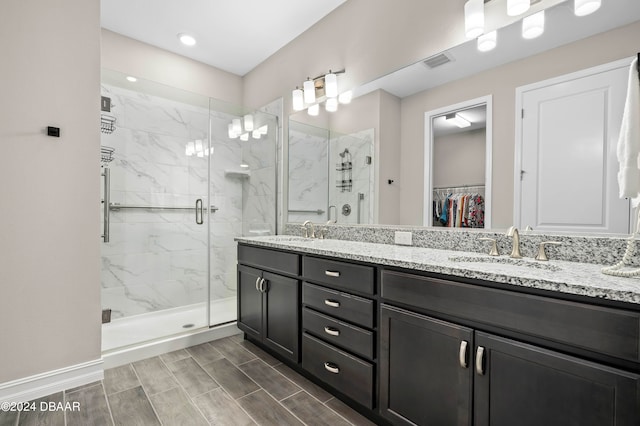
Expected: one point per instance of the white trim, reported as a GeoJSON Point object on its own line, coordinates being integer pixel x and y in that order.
{"type": "Point", "coordinates": [520, 91]}
{"type": "Point", "coordinates": [43, 384]}
{"type": "Point", "coordinates": [428, 155]}
{"type": "Point", "coordinates": [130, 354]}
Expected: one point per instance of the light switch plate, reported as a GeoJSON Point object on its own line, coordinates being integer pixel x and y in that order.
{"type": "Point", "coordinates": [403, 238]}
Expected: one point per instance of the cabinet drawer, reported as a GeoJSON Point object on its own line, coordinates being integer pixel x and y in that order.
{"type": "Point", "coordinates": [348, 374]}
{"type": "Point", "coordinates": [349, 337]}
{"type": "Point", "coordinates": [278, 261]}
{"type": "Point", "coordinates": [339, 274]}
{"type": "Point", "coordinates": [610, 331]}
{"type": "Point", "coordinates": [341, 305]}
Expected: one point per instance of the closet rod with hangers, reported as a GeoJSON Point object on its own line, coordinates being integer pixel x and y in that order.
{"type": "Point", "coordinates": [448, 188]}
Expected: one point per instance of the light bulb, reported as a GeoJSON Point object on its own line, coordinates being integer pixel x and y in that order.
{"type": "Point", "coordinates": [131, 78]}
{"type": "Point", "coordinates": [256, 134]}
{"type": "Point", "coordinates": [517, 7]}
{"type": "Point", "coordinates": [244, 137]}
{"type": "Point", "coordinates": [474, 18]}
{"type": "Point", "coordinates": [487, 41]}
{"type": "Point", "coordinates": [586, 7]}
{"type": "Point", "coordinates": [232, 133]}
{"type": "Point", "coordinates": [331, 104]}
{"type": "Point", "coordinates": [314, 110]}
{"type": "Point", "coordinates": [533, 25]}
{"type": "Point", "coordinates": [264, 129]}
{"type": "Point", "coordinates": [298, 100]}
{"type": "Point", "coordinates": [248, 123]}
{"type": "Point", "coordinates": [309, 92]}
{"type": "Point", "coordinates": [331, 84]}
{"type": "Point", "coordinates": [237, 126]}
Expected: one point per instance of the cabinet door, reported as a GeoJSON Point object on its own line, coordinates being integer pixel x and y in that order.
{"type": "Point", "coordinates": [425, 369]}
{"type": "Point", "coordinates": [281, 315]}
{"type": "Point", "coordinates": [520, 384]}
{"type": "Point", "coordinates": [249, 301]}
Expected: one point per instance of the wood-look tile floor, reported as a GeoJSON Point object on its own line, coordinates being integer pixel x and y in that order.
{"type": "Point", "coordinates": [225, 382]}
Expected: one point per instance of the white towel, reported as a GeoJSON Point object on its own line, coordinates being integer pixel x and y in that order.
{"type": "Point", "coordinates": [629, 140]}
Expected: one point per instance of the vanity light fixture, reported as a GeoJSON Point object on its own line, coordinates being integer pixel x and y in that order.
{"type": "Point", "coordinates": [458, 120]}
{"type": "Point", "coordinates": [533, 25]}
{"type": "Point", "coordinates": [487, 42]}
{"type": "Point", "coordinates": [586, 7]}
{"type": "Point", "coordinates": [474, 18]}
{"type": "Point", "coordinates": [187, 39]}
{"type": "Point", "coordinates": [247, 125]}
{"type": "Point", "coordinates": [323, 88]}
{"type": "Point", "coordinates": [517, 7]}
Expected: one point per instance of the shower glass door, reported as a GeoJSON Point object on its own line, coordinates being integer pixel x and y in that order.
{"type": "Point", "coordinates": [243, 188]}
{"type": "Point", "coordinates": [155, 263]}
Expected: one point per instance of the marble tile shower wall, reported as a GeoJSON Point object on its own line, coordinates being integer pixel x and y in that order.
{"type": "Point", "coordinates": [158, 259]}
{"type": "Point", "coordinates": [308, 179]}
{"type": "Point", "coordinates": [360, 145]}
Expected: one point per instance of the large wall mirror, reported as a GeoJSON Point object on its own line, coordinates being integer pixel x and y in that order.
{"type": "Point", "coordinates": [394, 110]}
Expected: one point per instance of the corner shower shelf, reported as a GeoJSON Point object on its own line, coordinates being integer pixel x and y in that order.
{"type": "Point", "coordinates": [238, 174]}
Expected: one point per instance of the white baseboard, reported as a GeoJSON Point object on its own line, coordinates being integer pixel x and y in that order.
{"type": "Point", "coordinates": [120, 357]}
{"type": "Point", "coordinates": [47, 383]}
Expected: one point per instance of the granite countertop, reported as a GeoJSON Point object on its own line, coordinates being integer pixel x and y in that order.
{"type": "Point", "coordinates": [561, 276]}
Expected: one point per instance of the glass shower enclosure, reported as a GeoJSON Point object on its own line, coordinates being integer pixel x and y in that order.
{"type": "Point", "coordinates": [178, 186]}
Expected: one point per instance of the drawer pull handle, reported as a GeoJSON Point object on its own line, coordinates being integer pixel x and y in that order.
{"type": "Point", "coordinates": [332, 303]}
{"type": "Point", "coordinates": [332, 273]}
{"type": "Point", "coordinates": [480, 360]}
{"type": "Point", "coordinates": [257, 281]}
{"type": "Point", "coordinates": [463, 354]}
{"type": "Point", "coordinates": [332, 331]}
{"type": "Point", "coordinates": [331, 367]}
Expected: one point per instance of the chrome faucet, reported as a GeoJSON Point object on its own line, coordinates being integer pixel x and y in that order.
{"type": "Point", "coordinates": [306, 230]}
{"type": "Point", "coordinates": [515, 251]}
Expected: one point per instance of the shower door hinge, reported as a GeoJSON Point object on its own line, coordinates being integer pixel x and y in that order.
{"type": "Point", "coordinates": [106, 316]}
{"type": "Point", "coordinates": [367, 159]}
{"type": "Point", "coordinates": [522, 113]}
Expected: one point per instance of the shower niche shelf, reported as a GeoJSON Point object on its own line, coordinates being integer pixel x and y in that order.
{"type": "Point", "coordinates": [237, 174]}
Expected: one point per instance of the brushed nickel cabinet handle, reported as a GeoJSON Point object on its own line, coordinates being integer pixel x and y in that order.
{"type": "Point", "coordinates": [332, 331]}
{"type": "Point", "coordinates": [257, 281]}
{"type": "Point", "coordinates": [462, 356]}
{"type": "Point", "coordinates": [480, 360]}
{"type": "Point", "coordinates": [335, 274]}
{"type": "Point", "coordinates": [332, 303]}
{"type": "Point", "coordinates": [263, 285]}
{"type": "Point", "coordinates": [331, 367]}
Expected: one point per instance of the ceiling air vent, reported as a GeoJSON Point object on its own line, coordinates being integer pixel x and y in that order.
{"type": "Point", "coordinates": [437, 60]}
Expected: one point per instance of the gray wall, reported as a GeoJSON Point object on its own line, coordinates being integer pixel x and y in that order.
{"type": "Point", "coordinates": [49, 187]}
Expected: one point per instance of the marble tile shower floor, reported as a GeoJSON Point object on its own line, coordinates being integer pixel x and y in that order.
{"type": "Point", "coordinates": [225, 382]}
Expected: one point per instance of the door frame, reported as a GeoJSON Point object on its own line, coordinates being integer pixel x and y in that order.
{"type": "Point", "coordinates": [428, 156]}
{"type": "Point", "coordinates": [520, 91]}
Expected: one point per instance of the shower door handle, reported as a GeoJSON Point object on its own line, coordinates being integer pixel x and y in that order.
{"type": "Point", "coordinates": [106, 204]}
{"type": "Point", "coordinates": [199, 212]}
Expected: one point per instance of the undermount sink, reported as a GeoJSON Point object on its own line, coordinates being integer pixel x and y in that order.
{"type": "Point", "coordinates": [505, 261]}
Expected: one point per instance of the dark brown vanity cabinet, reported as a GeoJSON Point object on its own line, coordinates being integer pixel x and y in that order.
{"type": "Point", "coordinates": [269, 303]}
{"type": "Point", "coordinates": [438, 372]}
{"type": "Point", "coordinates": [338, 340]}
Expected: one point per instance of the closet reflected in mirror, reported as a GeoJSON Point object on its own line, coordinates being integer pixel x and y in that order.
{"type": "Point", "coordinates": [458, 165]}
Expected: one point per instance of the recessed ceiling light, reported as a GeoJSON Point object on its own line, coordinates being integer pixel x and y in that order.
{"type": "Point", "coordinates": [131, 79]}
{"type": "Point", "coordinates": [186, 39]}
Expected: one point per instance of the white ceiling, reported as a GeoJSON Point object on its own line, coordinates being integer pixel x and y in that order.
{"type": "Point", "coordinates": [233, 35]}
